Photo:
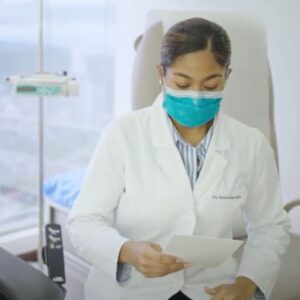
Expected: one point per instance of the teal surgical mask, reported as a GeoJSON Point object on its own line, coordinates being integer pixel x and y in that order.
{"type": "Point", "coordinates": [192, 108]}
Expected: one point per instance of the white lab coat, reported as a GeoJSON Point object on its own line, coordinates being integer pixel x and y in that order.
{"type": "Point", "coordinates": [137, 188]}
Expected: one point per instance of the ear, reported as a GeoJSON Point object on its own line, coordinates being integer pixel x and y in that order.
{"type": "Point", "coordinates": [160, 73]}
{"type": "Point", "coordinates": [228, 72]}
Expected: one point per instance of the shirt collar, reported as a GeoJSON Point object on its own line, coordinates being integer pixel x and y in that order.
{"type": "Point", "coordinates": [179, 139]}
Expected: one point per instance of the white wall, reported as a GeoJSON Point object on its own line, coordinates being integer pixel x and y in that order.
{"type": "Point", "coordinates": [281, 20]}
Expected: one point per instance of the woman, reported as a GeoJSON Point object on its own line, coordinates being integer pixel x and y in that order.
{"type": "Point", "coordinates": [180, 166]}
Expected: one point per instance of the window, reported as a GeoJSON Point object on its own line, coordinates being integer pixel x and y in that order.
{"type": "Point", "coordinates": [79, 38]}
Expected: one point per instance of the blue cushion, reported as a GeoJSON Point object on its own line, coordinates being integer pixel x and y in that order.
{"type": "Point", "coordinates": [64, 188]}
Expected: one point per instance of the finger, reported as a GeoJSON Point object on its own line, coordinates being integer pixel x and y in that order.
{"type": "Point", "coordinates": [212, 291]}
{"type": "Point", "coordinates": [156, 246]}
{"type": "Point", "coordinates": [153, 254]}
{"type": "Point", "coordinates": [150, 273]}
{"type": "Point", "coordinates": [172, 268]}
{"type": "Point", "coordinates": [153, 265]}
{"type": "Point", "coordinates": [164, 258]}
{"type": "Point", "coordinates": [170, 259]}
{"type": "Point", "coordinates": [154, 269]}
{"type": "Point", "coordinates": [161, 269]}
{"type": "Point", "coordinates": [218, 296]}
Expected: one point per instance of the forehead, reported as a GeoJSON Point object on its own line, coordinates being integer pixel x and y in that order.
{"type": "Point", "coordinates": [196, 64]}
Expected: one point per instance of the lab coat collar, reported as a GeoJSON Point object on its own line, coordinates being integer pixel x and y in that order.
{"type": "Point", "coordinates": [162, 137]}
{"type": "Point", "coordinates": [169, 158]}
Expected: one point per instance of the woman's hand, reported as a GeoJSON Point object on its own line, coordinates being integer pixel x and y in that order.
{"type": "Point", "coordinates": [242, 289]}
{"type": "Point", "coordinates": [147, 258]}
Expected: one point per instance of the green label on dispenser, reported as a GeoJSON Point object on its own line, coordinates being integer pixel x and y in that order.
{"type": "Point", "coordinates": [48, 90]}
{"type": "Point", "coordinates": [38, 90]}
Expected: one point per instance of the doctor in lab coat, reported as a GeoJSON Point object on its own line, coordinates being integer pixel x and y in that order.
{"type": "Point", "coordinates": [180, 166]}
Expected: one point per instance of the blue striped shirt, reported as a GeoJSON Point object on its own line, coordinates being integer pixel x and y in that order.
{"type": "Point", "coordinates": [192, 156]}
{"type": "Point", "coordinates": [193, 160]}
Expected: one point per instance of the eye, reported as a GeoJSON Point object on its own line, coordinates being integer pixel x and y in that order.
{"type": "Point", "coordinates": [210, 88]}
{"type": "Point", "coordinates": [182, 86]}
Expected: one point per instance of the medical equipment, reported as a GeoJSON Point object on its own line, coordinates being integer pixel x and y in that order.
{"type": "Point", "coordinates": [53, 255]}
{"type": "Point", "coordinates": [22, 281]}
{"type": "Point", "coordinates": [42, 85]}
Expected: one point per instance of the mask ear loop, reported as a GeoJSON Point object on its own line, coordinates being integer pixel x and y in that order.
{"type": "Point", "coordinates": [162, 81]}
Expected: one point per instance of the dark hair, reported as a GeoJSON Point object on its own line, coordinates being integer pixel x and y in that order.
{"type": "Point", "coordinates": [193, 35]}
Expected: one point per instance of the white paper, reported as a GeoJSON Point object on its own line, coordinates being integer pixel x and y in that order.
{"type": "Point", "coordinates": [204, 251]}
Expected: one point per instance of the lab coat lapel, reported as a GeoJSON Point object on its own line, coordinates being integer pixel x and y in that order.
{"type": "Point", "coordinates": [169, 159]}
{"type": "Point", "coordinates": [215, 162]}
{"type": "Point", "coordinates": [166, 152]}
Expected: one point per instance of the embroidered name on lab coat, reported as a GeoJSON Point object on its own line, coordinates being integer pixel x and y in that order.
{"type": "Point", "coordinates": [227, 197]}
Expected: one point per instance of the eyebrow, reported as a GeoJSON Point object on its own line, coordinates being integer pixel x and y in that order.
{"type": "Point", "coordinates": [207, 78]}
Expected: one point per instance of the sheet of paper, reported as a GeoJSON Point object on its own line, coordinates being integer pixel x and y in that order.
{"type": "Point", "coordinates": [203, 251]}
